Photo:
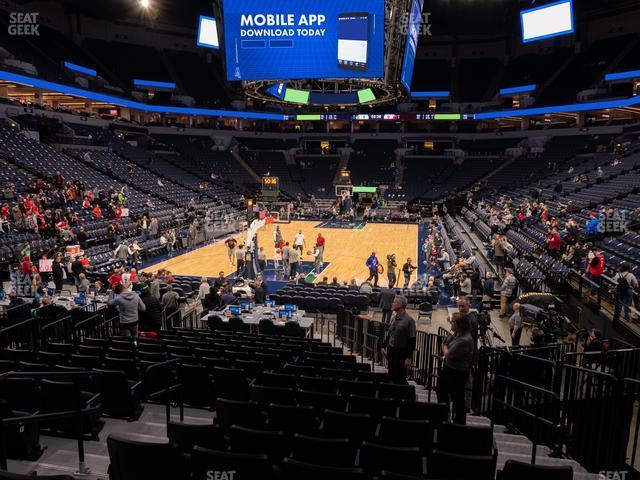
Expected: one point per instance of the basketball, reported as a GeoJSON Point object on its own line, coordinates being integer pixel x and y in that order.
{"type": "Point", "coordinates": [309, 252]}
{"type": "Point", "coordinates": [380, 269]}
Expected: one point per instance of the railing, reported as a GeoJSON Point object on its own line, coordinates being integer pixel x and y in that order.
{"type": "Point", "coordinates": [99, 325]}
{"type": "Point", "coordinates": [76, 415]}
{"type": "Point", "coordinates": [531, 410]}
{"type": "Point", "coordinates": [370, 349]}
{"type": "Point", "coordinates": [631, 391]}
{"type": "Point", "coordinates": [427, 346]}
{"type": "Point", "coordinates": [22, 335]}
{"type": "Point", "coordinates": [58, 331]}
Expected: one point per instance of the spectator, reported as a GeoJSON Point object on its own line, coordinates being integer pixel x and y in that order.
{"type": "Point", "coordinates": [83, 284]}
{"type": "Point", "coordinates": [507, 290]}
{"type": "Point", "coordinates": [515, 325]}
{"type": "Point", "coordinates": [228, 298]}
{"type": "Point", "coordinates": [170, 301]}
{"type": "Point", "coordinates": [129, 304]}
{"type": "Point", "coordinates": [387, 296]}
{"type": "Point", "coordinates": [204, 289]}
{"type": "Point", "coordinates": [154, 287]}
{"type": "Point", "coordinates": [626, 285]}
{"type": "Point", "coordinates": [401, 341]}
{"type": "Point", "coordinates": [151, 317]}
{"type": "Point", "coordinates": [457, 350]}
{"type": "Point", "coordinates": [407, 269]}
{"type": "Point", "coordinates": [372, 264]}
{"type": "Point", "coordinates": [57, 272]}
{"type": "Point", "coordinates": [366, 288]}
{"type": "Point", "coordinates": [77, 268]}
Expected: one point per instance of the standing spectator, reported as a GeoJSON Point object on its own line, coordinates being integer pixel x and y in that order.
{"type": "Point", "coordinates": [123, 252]}
{"type": "Point", "coordinates": [499, 252]}
{"type": "Point", "coordinates": [401, 341]}
{"type": "Point", "coordinates": [457, 350]}
{"type": "Point", "coordinates": [488, 287]}
{"type": "Point", "coordinates": [170, 301]}
{"type": "Point", "coordinates": [387, 296]}
{"type": "Point", "coordinates": [154, 286]}
{"type": "Point", "coordinates": [204, 289]}
{"type": "Point", "coordinates": [81, 236]}
{"type": "Point", "coordinates": [554, 243]}
{"type": "Point", "coordinates": [77, 268]}
{"type": "Point", "coordinates": [57, 272]}
{"type": "Point", "coordinates": [507, 290]}
{"type": "Point", "coordinates": [153, 228]}
{"type": "Point", "coordinates": [596, 267]}
{"type": "Point", "coordinates": [129, 304]}
{"type": "Point", "coordinates": [627, 283]}
{"type": "Point", "coordinates": [515, 325]}
{"type": "Point", "coordinates": [151, 317]}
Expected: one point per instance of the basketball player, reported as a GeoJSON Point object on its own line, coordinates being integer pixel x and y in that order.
{"type": "Point", "coordinates": [231, 244]}
{"type": "Point", "coordinates": [372, 264]}
{"type": "Point", "coordinates": [299, 242]}
{"type": "Point", "coordinates": [320, 243]}
{"type": "Point", "coordinates": [240, 260]}
{"type": "Point", "coordinates": [277, 237]}
{"type": "Point", "coordinates": [285, 258]}
{"type": "Point", "coordinates": [317, 259]}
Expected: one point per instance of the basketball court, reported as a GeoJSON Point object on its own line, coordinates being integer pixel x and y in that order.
{"type": "Point", "coordinates": [346, 250]}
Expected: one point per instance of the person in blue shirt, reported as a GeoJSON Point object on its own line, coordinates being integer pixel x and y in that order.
{"type": "Point", "coordinates": [372, 264]}
{"type": "Point", "coordinates": [593, 225]}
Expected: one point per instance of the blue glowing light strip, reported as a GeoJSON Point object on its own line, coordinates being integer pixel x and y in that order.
{"type": "Point", "coordinates": [434, 94]}
{"type": "Point", "coordinates": [101, 97]}
{"type": "Point", "coordinates": [81, 69]}
{"type": "Point", "coordinates": [150, 83]}
{"type": "Point", "coordinates": [573, 107]}
{"type": "Point", "coordinates": [523, 88]}
{"type": "Point", "coordinates": [622, 75]}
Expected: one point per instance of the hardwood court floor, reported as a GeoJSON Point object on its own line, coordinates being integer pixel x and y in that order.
{"type": "Point", "coordinates": [346, 250]}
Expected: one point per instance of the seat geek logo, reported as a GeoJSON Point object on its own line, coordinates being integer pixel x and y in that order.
{"type": "Point", "coordinates": [23, 24]}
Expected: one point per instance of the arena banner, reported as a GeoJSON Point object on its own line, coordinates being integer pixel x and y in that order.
{"type": "Point", "coordinates": [290, 39]}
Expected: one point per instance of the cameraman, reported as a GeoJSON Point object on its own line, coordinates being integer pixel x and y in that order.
{"type": "Point", "coordinates": [407, 269]}
{"type": "Point", "coordinates": [392, 264]}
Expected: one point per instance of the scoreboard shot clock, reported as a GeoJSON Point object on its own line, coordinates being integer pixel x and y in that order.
{"type": "Point", "coordinates": [270, 187]}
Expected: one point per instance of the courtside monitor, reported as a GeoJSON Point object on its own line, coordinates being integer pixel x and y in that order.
{"type": "Point", "coordinates": [235, 310]}
{"type": "Point", "coordinates": [547, 21]}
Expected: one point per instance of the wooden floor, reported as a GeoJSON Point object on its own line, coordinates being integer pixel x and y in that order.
{"type": "Point", "coordinates": [346, 250]}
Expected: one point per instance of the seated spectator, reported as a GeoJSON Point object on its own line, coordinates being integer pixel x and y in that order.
{"type": "Point", "coordinates": [366, 288]}
{"type": "Point", "coordinates": [83, 284]}
{"type": "Point", "coordinates": [228, 298]}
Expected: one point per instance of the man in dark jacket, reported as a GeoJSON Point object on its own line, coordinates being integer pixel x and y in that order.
{"type": "Point", "coordinates": [151, 318]}
{"type": "Point", "coordinates": [386, 301]}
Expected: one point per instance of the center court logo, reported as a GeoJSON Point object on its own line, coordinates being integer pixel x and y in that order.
{"type": "Point", "coordinates": [23, 24]}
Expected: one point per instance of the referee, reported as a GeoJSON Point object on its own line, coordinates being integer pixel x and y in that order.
{"type": "Point", "coordinates": [401, 341]}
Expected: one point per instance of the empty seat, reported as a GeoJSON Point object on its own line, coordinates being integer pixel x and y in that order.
{"type": "Point", "coordinates": [465, 439]}
{"type": "Point", "coordinates": [238, 412]}
{"type": "Point", "coordinates": [120, 397]}
{"type": "Point", "coordinates": [406, 433]}
{"type": "Point", "coordinates": [397, 392]}
{"type": "Point", "coordinates": [231, 383]}
{"type": "Point", "coordinates": [374, 458]}
{"type": "Point", "coordinates": [435, 413]}
{"type": "Point", "coordinates": [250, 440]}
{"type": "Point", "coordinates": [266, 395]}
{"type": "Point", "coordinates": [132, 459]}
{"type": "Point", "coordinates": [295, 470]}
{"type": "Point", "coordinates": [376, 407]}
{"type": "Point", "coordinates": [188, 435]}
{"type": "Point", "coordinates": [453, 466]}
{"type": "Point", "coordinates": [348, 387]}
{"type": "Point", "coordinates": [321, 401]}
{"type": "Point", "coordinates": [335, 452]}
{"type": "Point", "coordinates": [247, 466]}
{"type": "Point", "coordinates": [354, 426]}
{"type": "Point", "coordinates": [515, 470]}
{"type": "Point", "coordinates": [292, 419]}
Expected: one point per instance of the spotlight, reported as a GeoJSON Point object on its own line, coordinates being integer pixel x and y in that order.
{"type": "Point", "coordinates": [144, 3]}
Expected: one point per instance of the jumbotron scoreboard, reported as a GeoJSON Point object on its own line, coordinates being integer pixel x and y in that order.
{"type": "Point", "coordinates": [270, 187]}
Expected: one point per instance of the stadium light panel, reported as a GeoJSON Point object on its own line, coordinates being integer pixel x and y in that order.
{"type": "Point", "coordinates": [296, 96]}
{"type": "Point", "coordinates": [366, 95]}
{"type": "Point", "coordinates": [547, 21]}
{"type": "Point", "coordinates": [208, 32]}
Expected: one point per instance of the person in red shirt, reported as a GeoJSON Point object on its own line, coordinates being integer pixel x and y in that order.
{"type": "Point", "coordinates": [115, 279]}
{"type": "Point", "coordinates": [5, 211]}
{"type": "Point", "coordinates": [596, 267]}
{"type": "Point", "coordinates": [320, 243]}
{"type": "Point", "coordinates": [554, 243]}
{"type": "Point", "coordinates": [96, 212]}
